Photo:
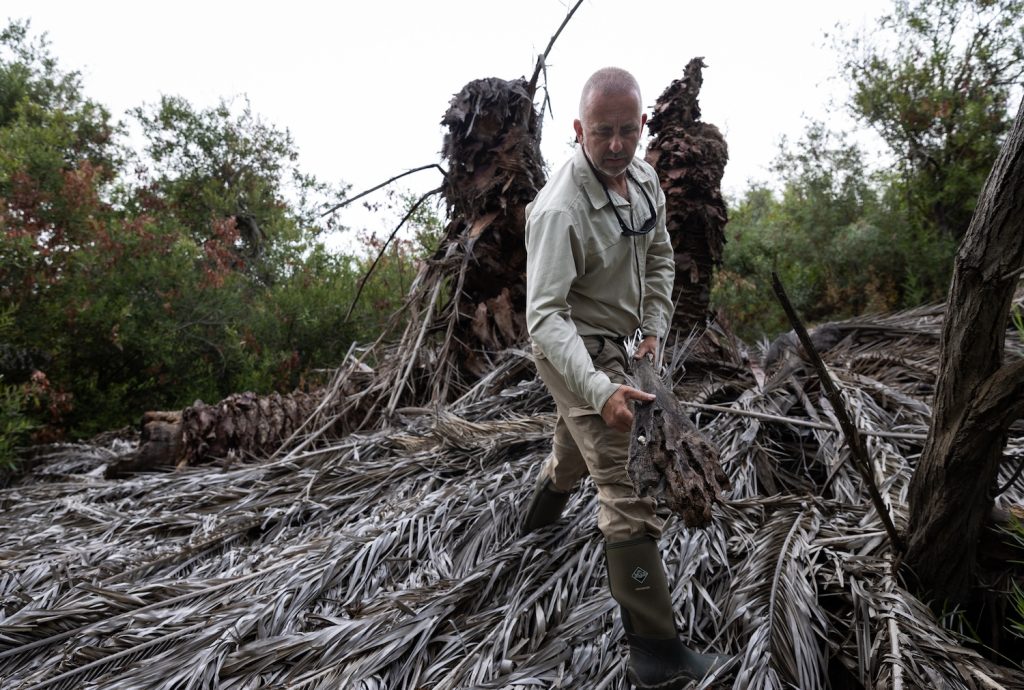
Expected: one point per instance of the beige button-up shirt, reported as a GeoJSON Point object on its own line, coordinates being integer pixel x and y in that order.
{"type": "Point", "coordinates": [584, 277]}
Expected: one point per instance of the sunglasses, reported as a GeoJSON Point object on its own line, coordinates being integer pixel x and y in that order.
{"type": "Point", "coordinates": [648, 224]}
{"type": "Point", "coordinates": [626, 230]}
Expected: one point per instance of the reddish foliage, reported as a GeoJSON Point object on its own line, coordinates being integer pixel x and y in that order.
{"type": "Point", "coordinates": [221, 254]}
{"type": "Point", "coordinates": [80, 186]}
{"type": "Point", "coordinates": [49, 402]}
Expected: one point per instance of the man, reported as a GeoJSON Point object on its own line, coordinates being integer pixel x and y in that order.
{"type": "Point", "coordinates": [600, 268]}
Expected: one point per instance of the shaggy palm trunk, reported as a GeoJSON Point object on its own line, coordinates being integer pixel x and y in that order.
{"type": "Point", "coordinates": [239, 426]}
{"type": "Point", "coordinates": [976, 397]}
{"type": "Point", "coordinates": [690, 158]}
{"type": "Point", "coordinates": [494, 170]}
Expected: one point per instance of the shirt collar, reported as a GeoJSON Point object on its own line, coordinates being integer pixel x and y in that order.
{"type": "Point", "coordinates": [585, 177]}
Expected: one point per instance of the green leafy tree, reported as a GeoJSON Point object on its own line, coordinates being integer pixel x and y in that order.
{"type": "Point", "coordinates": [130, 294]}
{"type": "Point", "coordinates": [935, 81]}
{"type": "Point", "coordinates": [58, 157]}
{"type": "Point", "coordinates": [193, 269]}
{"type": "Point", "coordinates": [232, 180]}
{"type": "Point", "coordinates": [14, 422]}
{"type": "Point", "coordinates": [835, 235]}
{"type": "Point", "coordinates": [56, 151]}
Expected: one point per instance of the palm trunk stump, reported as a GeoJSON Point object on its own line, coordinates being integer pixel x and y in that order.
{"type": "Point", "coordinates": [690, 158]}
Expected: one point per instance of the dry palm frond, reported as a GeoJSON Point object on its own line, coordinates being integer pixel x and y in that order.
{"type": "Point", "coordinates": [776, 607]}
{"type": "Point", "coordinates": [392, 558]}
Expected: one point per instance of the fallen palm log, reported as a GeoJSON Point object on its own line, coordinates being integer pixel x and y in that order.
{"type": "Point", "coordinates": [159, 445]}
{"type": "Point", "coordinates": [241, 425]}
{"type": "Point", "coordinates": [668, 457]}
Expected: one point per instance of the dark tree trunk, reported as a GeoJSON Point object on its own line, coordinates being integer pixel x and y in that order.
{"type": "Point", "coordinates": [976, 397]}
{"type": "Point", "coordinates": [494, 170]}
{"type": "Point", "coordinates": [690, 158]}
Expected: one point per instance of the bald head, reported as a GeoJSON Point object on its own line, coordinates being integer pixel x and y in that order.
{"type": "Point", "coordinates": [610, 81]}
{"type": "Point", "coordinates": [610, 124]}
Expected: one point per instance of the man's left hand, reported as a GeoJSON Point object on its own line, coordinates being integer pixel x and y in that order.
{"type": "Point", "coordinates": [647, 346]}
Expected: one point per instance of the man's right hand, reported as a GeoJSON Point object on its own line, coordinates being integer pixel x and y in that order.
{"type": "Point", "coordinates": [617, 412]}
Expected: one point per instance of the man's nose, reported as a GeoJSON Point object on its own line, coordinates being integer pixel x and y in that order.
{"type": "Point", "coordinates": [616, 144]}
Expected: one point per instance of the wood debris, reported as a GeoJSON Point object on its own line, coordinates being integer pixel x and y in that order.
{"type": "Point", "coordinates": [668, 456]}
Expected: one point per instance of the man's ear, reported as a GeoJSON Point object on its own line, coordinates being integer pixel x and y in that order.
{"type": "Point", "coordinates": [643, 120]}
{"type": "Point", "coordinates": [578, 126]}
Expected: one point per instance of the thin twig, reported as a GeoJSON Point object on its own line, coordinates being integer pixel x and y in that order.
{"type": "Point", "coordinates": [546, 106]}
{"type": "Point", "coordinates": [544, 56]}
{"type": "Point", "coordinates": [385, 183]}
{"type": "Point", "coordinates": [853, 438]}
{"type": "Point", "coordinates": [449, 335]}
{"type": "Point", "coordinates": [1013, 479]}
{"type": "Point", "coordinates": [796, 421]}
{"type": "Point", "coordinates": [408, 215]}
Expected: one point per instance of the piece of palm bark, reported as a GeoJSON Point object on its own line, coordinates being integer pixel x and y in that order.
{"type": "Point", "coordinates": [669, 458]}
{"type": "Point", "coordinates": [159, 446]}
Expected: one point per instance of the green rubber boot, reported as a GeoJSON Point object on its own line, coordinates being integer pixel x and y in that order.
{"type": "Point", "coordinates": [658, 660]}
{"type": "Point", "coordinates": [546, 505]}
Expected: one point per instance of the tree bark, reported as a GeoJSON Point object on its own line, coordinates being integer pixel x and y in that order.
{"type": "Point", "coordinates": [668, 457]}
{"type": "Point", "coordinates": [690, 158]}
{"type": "Point", "coordinates": [976, 397]}
{"type": "Point", "coordinates": [494, 170]}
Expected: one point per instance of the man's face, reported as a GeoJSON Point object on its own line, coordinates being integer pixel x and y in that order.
{"type": "Point", "coordinates": [609, 129]}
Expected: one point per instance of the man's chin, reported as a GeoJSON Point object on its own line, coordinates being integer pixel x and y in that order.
{"type": "Point", "coordinates": [614, 168]}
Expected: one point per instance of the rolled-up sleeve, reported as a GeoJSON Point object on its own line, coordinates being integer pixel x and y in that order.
{"type": "Point", "coordinates": [554, 259]}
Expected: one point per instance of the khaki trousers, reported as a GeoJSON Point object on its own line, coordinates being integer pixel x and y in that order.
{"type": "Point", "coordinates": [584, 444]}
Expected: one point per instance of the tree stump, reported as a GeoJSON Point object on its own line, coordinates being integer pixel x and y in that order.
{"type": "Point", "coordinates": [159, 446]}
{"type": "Point", "coordinates": [669, 458]}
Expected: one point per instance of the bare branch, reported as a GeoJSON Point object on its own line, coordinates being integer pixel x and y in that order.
{"type": "Point", "coordinates": [385, 183]}
{"type": "Point", "coordinates": [544, 56]}
{"type": "Point", "coordinates": [853, 438]}
{"type": "Point", "coordinates": [408, 215]}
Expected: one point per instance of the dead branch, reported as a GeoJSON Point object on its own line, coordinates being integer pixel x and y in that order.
{"type": "Point", "coordinates": [858, 451]}
{"type": "Point", "coordinates": [385, 183]}
{"type": "Point", "coordinates": [542, 59]}
{"type": "Point", "coordinates": [369, 272]}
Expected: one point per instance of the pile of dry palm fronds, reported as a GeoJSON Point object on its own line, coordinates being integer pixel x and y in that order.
{"type": "Point", "coordinates": [391, 559]}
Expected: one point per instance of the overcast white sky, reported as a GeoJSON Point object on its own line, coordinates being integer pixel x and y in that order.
{"type": "Point", "coordinates": [362, 86]}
